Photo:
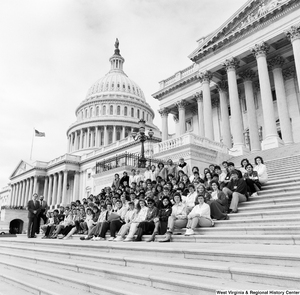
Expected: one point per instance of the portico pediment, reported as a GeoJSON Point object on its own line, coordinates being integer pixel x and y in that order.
{"type": "Point", "coordinates": [21, 168]}
{"type": "Point", "coordinates": [253, 14]}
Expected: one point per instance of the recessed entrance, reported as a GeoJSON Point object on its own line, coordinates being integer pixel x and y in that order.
{"type": "Point", "coordinates": [16, 226]}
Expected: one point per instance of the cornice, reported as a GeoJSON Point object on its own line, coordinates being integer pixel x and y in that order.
{"type": "Point", "coordinates": [246, 30]}
{"type": "Point", "coordinates": [173, 87]}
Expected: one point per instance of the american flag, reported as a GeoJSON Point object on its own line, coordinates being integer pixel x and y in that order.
{"type": "Point", "coordinates": [39, 134]}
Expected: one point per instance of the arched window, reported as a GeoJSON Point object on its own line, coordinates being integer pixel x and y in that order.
{"type": "Point", "coordinates": [132, 112]}
{"type": "Point", "coordinates": [104, 110]}
{"type": "Point", "coordinates": [147, 117]}
{"type": "Point", "coordinates": [86, 113]}
{"type": "Point", "coordinates": [91, 112]}
{"type": "Point", "coordinates": [143, 115]}
{"type": "Point", "coordinates": [125, 111]}
{"type": "Point", "coordinates": [118, 110]}
{"type": "Point", "coordinates": [97, 111]}
{"type": "Point", "coordinates": [138, 114]}
{"type": "Point", "coordinates": [82, 115]}
{"type": "Point", "coordinates": [111, 110]}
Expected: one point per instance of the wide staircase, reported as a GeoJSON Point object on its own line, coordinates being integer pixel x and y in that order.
{"type": "Point", "coordinates": [257, 249]}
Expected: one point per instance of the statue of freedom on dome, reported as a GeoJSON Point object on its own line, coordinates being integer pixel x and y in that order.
{"type": "Point", "coordinates": [117, 43]}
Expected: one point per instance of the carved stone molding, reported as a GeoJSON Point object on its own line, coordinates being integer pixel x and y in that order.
{"type": "Point", "coordinates": [276, 62]}
{"type": "Point", "coordinates": [289, 73]}
{"type": "Point", "coordinates": [222, 86]}
{"type": "Point", "coordinates": [215, 102]}
{"type": "Point", "coordinates": [164, 112]}
{"type": "Point", "coordinates": [256, 86]}
{"type": "Point", "coordinates": [293, 33]}
{"type": "Point", "coordinates": [181, 104]}
{"type": "Point", "coordinates": [231, 64]}
{"type": "Point", "coordinates": [247, 75]}
{"type": "Point", "coordinates": [176, 118]}
{"type": "Point", "coordinates": [205, 76]}
{"type": "Point", "coordinates": [260, 49]}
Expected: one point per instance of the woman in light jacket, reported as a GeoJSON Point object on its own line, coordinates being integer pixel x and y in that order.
{"type": "Point", "coordinates": [261, 170]}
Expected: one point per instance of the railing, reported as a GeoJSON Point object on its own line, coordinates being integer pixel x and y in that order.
{"type": "Point", "coordinates": [126, 159]}
{"type": "Point", "coordinates": [65, 157]}
{"type": "Point", "coordinates": [189, 138]}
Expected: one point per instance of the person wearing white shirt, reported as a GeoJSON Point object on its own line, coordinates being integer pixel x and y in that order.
{"type": "Point", "coordinates": [261, 170]}
{"type": "Point", "coordinates": [132, 177]}
{"type": "Point", "coordinates": [138, 177]}
{"type": "Point", "coordinates": [199, 217]}
{"type": "Point", "coordinates": [190, 199]}
{"type": "Point", "coordinates": [147, 173]}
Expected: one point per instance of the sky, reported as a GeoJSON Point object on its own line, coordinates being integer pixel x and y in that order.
{"type": "Point", "coordinates": [52, 51]}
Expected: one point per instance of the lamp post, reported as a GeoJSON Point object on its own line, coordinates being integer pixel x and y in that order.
{"type": "Point", "coordinates": [142, 137]}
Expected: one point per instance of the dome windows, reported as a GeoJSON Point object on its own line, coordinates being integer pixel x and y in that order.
{"type": "Point", "coordinates": [104, 110]}
{"type": "Point", "coordinates": [125, 111]}
{"type": "Point", "coordinates": [138, 114]}
{"type": "Point", "coordinates": [97, 111]}
{"type": "Point", "coordinates": [111, 110]}
{"type": "Point", "coordinates": [132, 112]}
{"type": "Point", "coordinates": [118, 110]}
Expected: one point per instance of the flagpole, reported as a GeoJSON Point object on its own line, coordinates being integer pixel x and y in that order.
{"type": "Point", "coordinates": [32, 143]}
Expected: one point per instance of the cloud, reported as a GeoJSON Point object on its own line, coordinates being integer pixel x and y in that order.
{"type": "Point", "coordinates": [53, 51]}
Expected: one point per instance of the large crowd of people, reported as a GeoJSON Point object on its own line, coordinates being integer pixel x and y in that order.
{"type": "Point", "coordinates": [159, 201]}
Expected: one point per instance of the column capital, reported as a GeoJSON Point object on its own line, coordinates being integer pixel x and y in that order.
{"type": "Point", "coordinates": [181, 104]}
{"type": "Point", "coordinates": [276, 62]}
{"type": "Point", "coordinates": [77, 172]}
{"type": "Point", "coordinates": [164, 112]}
{"type": "Point", "coordinates": [247, 75]}
{"type": "Point", "coordinates": [215, 102]}
{"type": "Point", "coordinates": [293, 33]}
{"type": "Point", "coordinates": [260, 49]}
{"type": "Point", "coordinates": [222, 86]}
{"type": "Point", "coordinates": [198, 96]}
{"type": "Point", "coordinates": [289, 73]}
{"type": "Point", "coordinates": [205, 76]}
{"type": "Point", "coordinates": [231, 64]}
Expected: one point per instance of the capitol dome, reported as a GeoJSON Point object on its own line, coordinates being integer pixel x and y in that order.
{"type": "Point", "coordinates": [111, 110]}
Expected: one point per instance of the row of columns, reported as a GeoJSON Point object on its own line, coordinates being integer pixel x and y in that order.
{"type": "Point", "coordinates": [54, 192]}
{"type": "Point", "coordinates": [204, 103]}
{"type": "Point", "coordinates": [96, 136]}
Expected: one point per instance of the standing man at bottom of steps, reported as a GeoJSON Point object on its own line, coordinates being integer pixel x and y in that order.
{"type": "Point", "coordinates": [236, 190]}
{"type": "Point", "coordinates": [33, 212]}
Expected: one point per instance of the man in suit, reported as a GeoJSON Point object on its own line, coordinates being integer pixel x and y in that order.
{"type": "Point", "coordinates": [33, 211]}
{"type": "Point", "coordinates": [42, 214]}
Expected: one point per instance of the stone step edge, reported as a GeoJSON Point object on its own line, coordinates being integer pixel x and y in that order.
{"type": "Point", "coordinates": [266, 206]}
{"type": "Point", "coordinates": [9, 287]}
{"type": "Point", "coordinates": [152, 279]}
{"type": "Point", "coordinates": [232, 271]}
{"type": "Point", "coordinates": [262, 214]}
{"type": "Point", "coordinates": [183, 253]}
{"type": "Point", "coordinates": [289, 219]}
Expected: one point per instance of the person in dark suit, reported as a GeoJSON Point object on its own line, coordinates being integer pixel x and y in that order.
{"type": "Point", "coordinates": [33, 212]}
{"type": "Point", "coordinates": [42, 214]}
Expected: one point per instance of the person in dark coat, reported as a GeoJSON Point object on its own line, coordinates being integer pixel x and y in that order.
{"type": "Point", "coordinates": [34, 208]}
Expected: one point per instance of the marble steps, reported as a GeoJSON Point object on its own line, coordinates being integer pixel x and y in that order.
{"type": "Point", "coordinates": [58, 278]}
{"type": "Point", "coordinates": [157, 271]}
{"type": "Point", "coordinates": [283, 175]}
{"type": "Point", "coordinates": [8, 288]}
{"type": "Point", "coordinates": [268, 208]}
{"type": "Point", "coordinates": [277, 192]}
{"type": "Point", "coordinates": [275, 214]}
{"type": "Point", "coordinates": [120, 253]}
{"type": "Point", "coordinates": [278, 183]}
{"type": "Point", "coordinates": [280, 199]}
{"type": "Point", "coordinates": [84, 278]}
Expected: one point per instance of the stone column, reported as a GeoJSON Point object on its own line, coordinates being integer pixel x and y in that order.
{"type": "Point", "coordinates": [164, 118]}
{"type": "Point", "coordinates": [92, 138]}
{"type": "Point", "coordinates": [80, 139]}
{"type": "Point", "coordinates": [105, 136]}
{"type": "Point", "coordinates": [76, 186]}
{"type": "Point", "coordinates": [225, 126]}
{"type": "Point", "coordinates": [236, 115]}
{"type": "Point", "coordinates": [199, 98]}
{"type": "Point", "coordinates": [123, 132]}
{"type": "Point", "coordinates": [97, 137]}
{"type": "Point", "coordinates": [49, 199]}
{"type": "Point", "coordinates": [35, 184]}
{"type": "Point", "coordinates": [71, 136]}
{"type": "Point", "coordinates": [59, 188]}
{"type": "Point", "coordinates": [75, 147]}
{"type": "Point", "coordinates": [205, 78]}
{"type": "Point", "coordinates": [19, 193]}
{"type": "Point", "coordinates": [16, 194]}
{"type": "Point", "coordinates": [11, 201]}
{"type": "Point", "coordinates": [30, 188]}
{"type": "Point", "coordinates": [271, 139]}
{"type": "Point", "coordinates": [176, 121]}
{"type": "Point", "coordinates": [293, 34]}
{"type": "Point", "coordinates": [88, 137]}
{"type": "Point", "coordinates": [23, 193]}
{"type": "Point", "coordinates": [54, 192]}
{"type": "Point", "coordinates": [64, 187]}
{"type": "Point", "coordinates": [27, 190]}
{"type": "Point", "coordinates": [247, 77]}
{"type": "Point", "coordinates": [181, 109]}
{"type": "Point", "coordinates": [114, 137]}
{"type": "Point", "coordinates": [276, 64]}
{"type": "Point", "coordinates": [45, 188]}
